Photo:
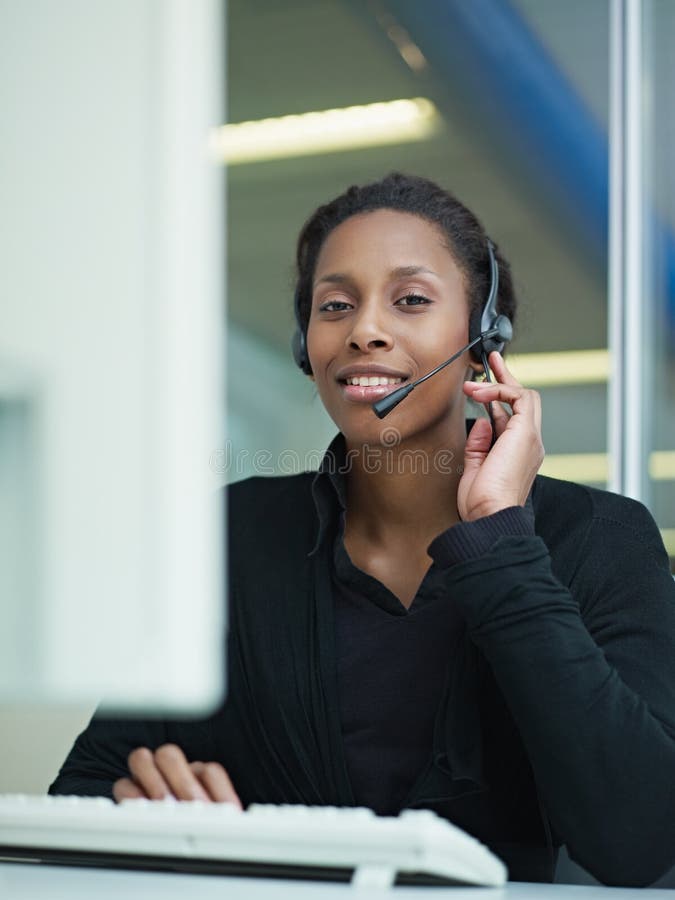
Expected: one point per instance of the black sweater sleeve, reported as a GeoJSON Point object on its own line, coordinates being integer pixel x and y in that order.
{"type": "Point", "coordinates": [588, 672]}
{"type": "Point", "coordinates": [99, 755]}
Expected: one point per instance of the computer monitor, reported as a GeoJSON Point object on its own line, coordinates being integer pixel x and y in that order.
{"type": "Point", "coordinates": [111, 354]}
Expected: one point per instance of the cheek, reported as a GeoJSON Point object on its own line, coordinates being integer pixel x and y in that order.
{"type": "Point", "coordinates": [322, 345]}
{"type": "Point", "coordinates": [441, 339]}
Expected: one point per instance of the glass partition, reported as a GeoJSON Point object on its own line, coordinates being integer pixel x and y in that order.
{"type": "Point", "coordinates": [659, 130]}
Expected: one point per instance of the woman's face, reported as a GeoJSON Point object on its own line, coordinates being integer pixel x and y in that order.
{"type": "Point", "coordinates": [388, 302]}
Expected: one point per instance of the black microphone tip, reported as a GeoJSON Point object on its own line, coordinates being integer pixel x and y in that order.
{"type": "Point", "coordinates": [383, 407]}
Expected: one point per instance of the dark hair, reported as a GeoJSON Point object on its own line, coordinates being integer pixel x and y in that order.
{"type": "Point", "coordinates": [466, 237]}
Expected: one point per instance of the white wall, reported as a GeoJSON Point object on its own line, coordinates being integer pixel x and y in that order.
{"type": "Point", "coordinates": [34, 742]}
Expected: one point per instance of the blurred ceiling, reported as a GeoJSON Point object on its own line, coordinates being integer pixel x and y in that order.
{"type": "Point", "coordinates": [302, 55]}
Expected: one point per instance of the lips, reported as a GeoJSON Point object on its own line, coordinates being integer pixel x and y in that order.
{"type": "Point", "coordinates": [367, 394]}
{"type": "Point", "coordinates": [369, 370]}
{"type": "Point", "coordinates": [373, 382]}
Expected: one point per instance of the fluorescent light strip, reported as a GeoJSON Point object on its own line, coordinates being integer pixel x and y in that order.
{"type": "Point", "coordinates": [585, 468]}
{"type": "Point", "coordinates": [564, 367]}
{"type": "Point", "coordinates": [662, 465]}
{"type": "Point", "coordinates": [592, 468]}
{"type": "Point", "coordinates": [668, 535]}
{"type": "Point", "coordinates": [325, 131]}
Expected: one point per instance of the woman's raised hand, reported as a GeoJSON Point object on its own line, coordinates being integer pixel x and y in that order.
{"type": "Point", "coordinates": [166, 772]}
{"type": "Point", "coordinates": [500, 477]}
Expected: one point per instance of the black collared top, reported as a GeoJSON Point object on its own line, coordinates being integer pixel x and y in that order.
{"type": "Point", "coordinates": [549, 691]}
{"type": "Point", "coordinates": [392, 661]}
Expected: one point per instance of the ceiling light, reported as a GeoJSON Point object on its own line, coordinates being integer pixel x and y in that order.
{"type": "Point", "coordinates": [327, 131]}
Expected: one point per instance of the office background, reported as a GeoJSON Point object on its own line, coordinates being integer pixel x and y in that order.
{"type": "Point", "coordinates": [521, 133]}
{"type": "Point", "coordinates": [514, 119]}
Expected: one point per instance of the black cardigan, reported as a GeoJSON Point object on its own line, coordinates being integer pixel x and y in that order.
{"type": "Point", "coordinates": [559, 709]}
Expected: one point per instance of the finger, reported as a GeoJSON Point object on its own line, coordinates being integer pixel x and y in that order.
{"type": "Point", "coordinates": [500, 416]}
{"type": "Point", "coordinates": [503, 375]}
{"type": "Point", "coordinates": [174, 767]}
{"type": "Point", "coordinates": [496, 412]}
{"type": "Point", "coordinates": [126, 789]}
{"type": "Point", "coordinates": [520, 399]}
{"type": "Point", "coordinates": [537, 410]}
{"type": "Point", "coordinates": [146, 774]}
{"type": "Point", "coordinates": [501, 370]}
{"type": "Point", "coordinates": [524, 402]}
{"type": "Point", "coordinates": [477, 444]}
{"type": "Point", "coordinates": [216, 782]}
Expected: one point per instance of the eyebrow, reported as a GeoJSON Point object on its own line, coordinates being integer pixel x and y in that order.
{"type": "Point", "coordinates": [398, 272]}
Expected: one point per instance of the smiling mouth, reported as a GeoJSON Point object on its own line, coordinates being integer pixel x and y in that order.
{"type": "Point", "coordinates": [369, 388]}
{"type": "Point", "coordinates": [371, 381]}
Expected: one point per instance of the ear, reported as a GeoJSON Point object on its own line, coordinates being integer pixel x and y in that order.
{"type": "Point", "coordinates": [474, 369]}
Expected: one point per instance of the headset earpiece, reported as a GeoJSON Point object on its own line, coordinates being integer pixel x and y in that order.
{"type": "Point", "coordinates": [489, 317]}
{"type": "Point", "coordinates": [299, 341]}
{"type": "Point", "coordinates": [474, 331]}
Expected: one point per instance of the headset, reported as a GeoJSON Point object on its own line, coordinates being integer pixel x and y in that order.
{"type": "Point", "coordinates": [489, 332]}
{"type": "Point", "coordinates": [299, 340]}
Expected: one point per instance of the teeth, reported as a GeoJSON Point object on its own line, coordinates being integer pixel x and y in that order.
{"type": "Point", "coordinates": [371, 381]}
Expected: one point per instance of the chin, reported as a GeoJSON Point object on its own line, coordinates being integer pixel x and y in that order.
{"type": "Point", "coordinates": [368, 429]}
{"type": "Point", "coordinates": [407, 428]}
{"type": "Point", "coordinates": [418, 419]}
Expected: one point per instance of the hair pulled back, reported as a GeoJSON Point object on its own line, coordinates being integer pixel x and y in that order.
{"type": "Point", "coordinates": [465, 237]}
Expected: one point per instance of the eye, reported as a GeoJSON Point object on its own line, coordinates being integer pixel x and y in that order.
{"type": "Point", "coordinates": [413, 300]}
{"type": "Point", "coordinates": [334, 306]}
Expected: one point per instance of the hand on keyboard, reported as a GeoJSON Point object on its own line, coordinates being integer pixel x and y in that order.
{"type": "Point", "coordinates": [167, 773]}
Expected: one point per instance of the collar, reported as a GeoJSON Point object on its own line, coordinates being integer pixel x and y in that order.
{"type": "Point", "coordinates": [329, 488]}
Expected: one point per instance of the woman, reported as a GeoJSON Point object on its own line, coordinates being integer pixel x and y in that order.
{"type": "Point", "coordinates": [425, 622]}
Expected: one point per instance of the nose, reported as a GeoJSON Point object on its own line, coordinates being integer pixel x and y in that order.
{"type": "Point", "coordinates": [368, 331]}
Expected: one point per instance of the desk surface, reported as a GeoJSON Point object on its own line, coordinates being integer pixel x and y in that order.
{"type": "Point", "coordinates": [35, 882]}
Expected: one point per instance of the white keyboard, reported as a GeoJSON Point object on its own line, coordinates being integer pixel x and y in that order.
{"type": "Point", "coordinates": [297, 841]}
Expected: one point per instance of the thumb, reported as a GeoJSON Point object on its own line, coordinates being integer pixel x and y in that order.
{"type": "Point", "coordinates": [477, 445]}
